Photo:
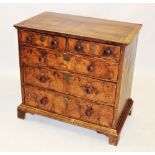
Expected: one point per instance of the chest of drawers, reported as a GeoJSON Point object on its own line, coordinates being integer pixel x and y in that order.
{"type": "Point", "coordinates": [77, 70]}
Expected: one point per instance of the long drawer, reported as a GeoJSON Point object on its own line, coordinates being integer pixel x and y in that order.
{"type": "Point", "coordinates": [62, 81]}
{"type": "Point", "coordinates": [69, 106]}
{"type": "Point", "coordinates": [93, 67]}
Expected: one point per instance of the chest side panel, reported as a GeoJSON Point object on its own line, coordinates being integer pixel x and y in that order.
{"type": "Point", "coordinates": [125, 79]}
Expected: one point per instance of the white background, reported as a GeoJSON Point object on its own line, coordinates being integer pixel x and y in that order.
{"type": "Point", "coordinates": [37, 133]}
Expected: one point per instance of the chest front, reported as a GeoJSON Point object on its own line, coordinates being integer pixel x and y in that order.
{"type": "Point", "coordinates": [80, 75]}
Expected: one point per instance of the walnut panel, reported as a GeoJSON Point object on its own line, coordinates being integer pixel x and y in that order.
{"type": "Point", "coordinates": [77, 70]}
{"type": "Point", "coordinates": [125, 81]}
{"type": "Point", "coordinates": [83, 27]}
{"type": "Point", "coordinates": [94, 49]}
{"type": "Point", "coordinates": [65, 82]}
{"type": "Point", "coordinates": [43, 40]}
{"type": "Point", "coordinates": [68, 106]}
{"type": "Point", "coordinates": [93, 67]}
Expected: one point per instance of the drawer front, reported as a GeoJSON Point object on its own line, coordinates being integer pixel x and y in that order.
{"type": "Point", "coordinates": [68, 106]}
{"type": "Point", "coordinates": [43, 40]}
{"type": "Point", "coordinates": [68, 61]}
{"type": "Point", "coordinates": [65, 82]}
{"type": "Point", "coordinates": [95, 49]}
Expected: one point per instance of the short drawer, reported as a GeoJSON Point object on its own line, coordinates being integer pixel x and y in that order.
{"type": "Point", "coordinates": [43, 40]}
{"type": "Point", "coordinates": [69, 106]}
{"type": "Point", "coordinates": [95, 49]}
{"type": "Point", "coordinates": [65, 82]}
{"type": "Point", "coordinates": [93, 67]}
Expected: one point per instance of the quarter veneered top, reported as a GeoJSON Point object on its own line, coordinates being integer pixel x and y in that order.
{"type": "Point", "coordinates": [106, 30]}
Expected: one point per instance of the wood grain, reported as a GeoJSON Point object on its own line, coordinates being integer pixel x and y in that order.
{"type": "Point", "coordinates": [68, 106]}
{"type": "Point", "coordinates": [71, 62]}
{"type": "Point", "coordinates": [43, 40]}
{"type": "Point", "coordinates": [107, 30]}
{"type": "Point", "coordinates": [65, 82]}
{"type": "Point", "coordinates": [94, 49]}
{"type": "Point", "coordinates": [113, 134]}
{"type": "Point", "coordinates": [78, 70]}
{"type": "Point", "coordinates": [125, 79]}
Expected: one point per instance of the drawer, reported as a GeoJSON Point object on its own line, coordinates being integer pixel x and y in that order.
{"type": "Point", "coordinates": [93, 67]}
{"type": "Point", "coordinates": [43, 40]}
{"type": "Point", "coordinates": [65, 82]}
{"type": "Point", "coordinates": [95, 49]}
{"type": "Point", "coordinates": [69, 106]}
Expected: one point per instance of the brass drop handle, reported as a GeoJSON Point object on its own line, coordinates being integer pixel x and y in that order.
{"type": "Point", "coordinates": [29, 39]}
{"type": "Point", "coordinates": [44, 101]}
{"type": "Point", "coordinates": [54, 43]}
{"type": "Point", "coordinates": [89, 111]}
{"type": "Point", "coordinates": [89, 89]}
{"type": "Point", "coordinates": [90, 68]}
{"type": "Point", "coordinates": [107, 52]}
{"type": "Point", "coordinates": [79, 48]}
{"type": "Point", "coordinates": [42, 79]}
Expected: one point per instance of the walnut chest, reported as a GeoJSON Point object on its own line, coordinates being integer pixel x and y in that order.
{"type": "Point", "coordinates": [77, 70]}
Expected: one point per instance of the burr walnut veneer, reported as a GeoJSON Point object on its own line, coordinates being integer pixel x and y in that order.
{"type": "Point", "coordinates": [77, 70]}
